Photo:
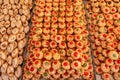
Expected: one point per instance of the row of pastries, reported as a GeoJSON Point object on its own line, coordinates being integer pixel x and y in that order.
{"type": "Point", "coordinates": [14, 16]}
{"type": "Point", "coordinates": [58, 45]}
{"type": "Point", "coordinates": [104, 27]}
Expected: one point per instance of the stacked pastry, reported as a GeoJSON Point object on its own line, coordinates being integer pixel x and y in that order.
{"type": "Point", "coordinates": [58, 46]}
{"type": "Point", "coordinates": [14, 16]}
{"type": "Point", "coordinates": [104, 25]}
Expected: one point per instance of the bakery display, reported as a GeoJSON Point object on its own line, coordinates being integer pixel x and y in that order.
{"type": "Point", "coordinates": [58, 45]}
{"type": "Point", "coordinates": [104, 26]}
{"type": "Point", "coordinates": [14, 17]}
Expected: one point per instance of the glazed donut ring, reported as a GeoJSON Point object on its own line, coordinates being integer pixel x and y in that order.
{"type": "Point", "coordinates": [10, 48]}
{"type": "Point", "coordinates": [4, 45]}
{"type": "Point", "coordinates": [3, 55]}
{"type": "Point", "coordinates": [12, 38]}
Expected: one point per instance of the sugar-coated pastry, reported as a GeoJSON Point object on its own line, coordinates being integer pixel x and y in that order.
{"type": "Point", "coordinates": [99, 16]}
{"type": "Point", "coordinates": [75, 54]}
{"type": "Point", "coordinates": [38, 55]}
{"type": "Point", "coordinates": [39, 31]}
{"type": "Point", "coordinates": [115, 68]}
{"type": "Point", "coordinates": [46, 24]}
{"type": "Point", "coordinates": [48, 55]}
{"type": "Point", "coordinates": [56, 75]}
{"type": "Point", "coordinates": [103, 36]}
{"type": "Point", "coordinates": [47, 13]}
{"type": "Point", "coordinates": [71, 78]}
{"type": "Point", "coordinates": [69, 13]}
{"type": "Point", "coordinates": [78, 37]}
{"type": "Point", "coordinates": [46, 19]}
{"type": "Point", "coordinates": [71, 44]}
{"type": "Point", "coordinates": [32, 69]}
{"type": "Point", "coordinates": [101, 57]}
{"type": "Point", "coordinates": [45, 43]}
{"type": "Point", "coordinates": [48, 8]}
{"type": "Point", "coordinates": [56, 56]}
{"type": "Point", "coordinates": [54, 19]}
{"type": "Point", "coordinates": [51, 71]}
{"type": "Point", "coordinates": [116, 76]}
{"type": "Point", "coordinates": [54, 25]}
{"type": "Point", "coordinates": [85, 65]}
{"type": "Point", "coordinates": [106, 10]}
{"type": "Point", "coordinates": [76, 75]}
{"type": "Point", "coordinates": [46, 64]}
{"type": "Point", "coordinates": [58, 38]}
{"type": "Point", "coordinates": [117, 22]}
{"type": "Point", "coordinates": [45, 75]}
{"type": "Point", "coordinates": [76, 65]}
{"type": "Point", "coordinates": [62, 31]}
{"type": "Point", "coordinates": [62, 13]}
{"type": "Point", "coordinates": [55, 8]}
{"type": "Point", "coordinates": [110, 3]}
{"type": "Point", "coordinates": [109, 62]}
{"type": "Point", "coordinates": [105, 67]}
{"type": "Point", "coordinates": [61, 25]}
{"type": "Point", "coordinates": [79, 44]}
{"type": "Point", "coordinates": [61, 19]}
{"type": "Point", "coordinates": [116, 16]}
{"type": "Point", "coordinates": [54, 51]}
{"type": "Point", "coordinates": [69, 18]}
{"type": "Point", "coordinates": [56, 65]}
{"type": "Point", "coordinates": [66, 64]}
{"type": "Point", "coordinates": [76, 19]}
{"type": "Point", "coordinates": [65, 75]}
{"type": "Point", "coordinates": [69, 30]}
{"type": "Point", "coordinates": [41, 13]}
{"type": "Point", "coordinates": [71, 70]}
{"type": "Point", "coordinates": [77, 25]}
{"type": "Point", "coordinates": [69, 52]}
{"type": "Point", "coordinates": [61, 70]}
{"type": "Point", "coordinates": [41, 70]}
{"type": "Point", "coordinates": [109, 16]}
{"type": "Point", "coordinates": [62, 52]}
{"type": "Point", "coordinates": [77, 30]}
{"type": "Point", "coordinates": [95, 53]}
{"type": "Point", "coordinates": [37, 63]}
{"type": "Point", "coordinates": [53, 31]}
{"type": "Point", "coordinates": [52, 37]}
{"type": "Point", "coordinates": [44, 49]}
{"type": "Point", "coordinates": [62, 45]}
{"type": "Point", "coordinates": [86, 74]}
{"type": "Point", "coordinates": [69, 24]}
{"type": "Point", "coordinates": [46, 30]}
{"type": "Point", "coordinates": [113, 55]}
{"type": "Point", "coordinates": [106, 76]}
{"type": "Point", "coordinates": [98, 70]}
{"type": "Point", "coordinates": [53, 44]}
{"type": "Point", "coordinates": [109, 22]}
{"type": "Point", "coordinates": [111, 46]}
{"type": "Point", "coordinates": [96, 61]}
{"type": "Point", "coordinates": [46, 36]}
{"type": "Point", "coordinates": [70, 37]}
{"type": "Point", "coordinates": [101, 23]}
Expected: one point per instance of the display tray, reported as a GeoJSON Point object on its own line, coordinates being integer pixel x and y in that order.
{"type": "Point", "coordinates": [97, 77]}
